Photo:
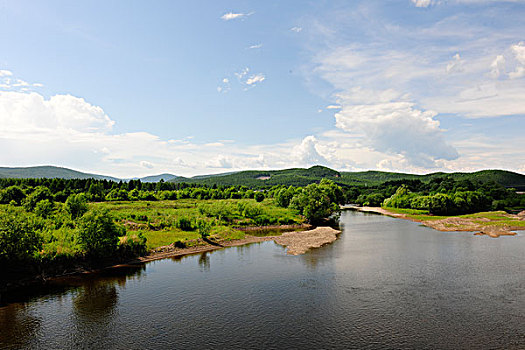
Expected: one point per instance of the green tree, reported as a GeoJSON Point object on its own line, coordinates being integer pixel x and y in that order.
{"type": "Point", "coordinates": [259, 196]}
{"type": "Point", "coordinates": [204, 228]}
{"type": "Point", "coordinates": [12, 193]}
{"type": "Point", "coordinates": [39, 194]}
{"type": "Point", "coordinates": [98, 234]}
{"type": "Point", "coordinates": [314, 203]}
{"type": "Point", "coordinates": [19, 239]}
{"type": "Point", "coordinates": [44, 208]}
{"type": "Point", "coordinates": [76, 205]}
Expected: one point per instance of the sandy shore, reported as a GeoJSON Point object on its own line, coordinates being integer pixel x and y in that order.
{"type": "Point", "coordinates": [297, 242]}
{"type": "Point", "coordinates": [454, 223]}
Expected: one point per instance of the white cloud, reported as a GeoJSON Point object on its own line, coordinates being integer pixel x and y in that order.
{"type": "Point", "coordinates": [456, 65]}
{"type": "Point", "coordinates": [497, 67]}
{"type": "Point", "coordinates": [398, 128]}
{"type": "Point", "coordinates": [5, 73]}
{"type": "Point", "coordinates": [422, 3]}
{"type": "Point", "coordinates": [307, 154]}
{"type": "Point", "coordinates": [220, 161]}
{"type": "Point", "coordinates": [19, 112]}
{"type": "Point", "coordinates": [242, 73]}
{"type": "Point", "coordinates": [333, 107]}
{"type": "Point", "coordinates": [519, 52]}
{"type": "Point", "coordinates": [254, 79]}
{"type": "Point", "coordinates": [518, 73]}
{"type": "Point", "coordinates": [231, 15]}
{"type": "Point", "coordinates": [146, 164]}
{"type": "Point", "coordinates": [296, 29]}
{"type": "Point", "coordinates": [257, 46]}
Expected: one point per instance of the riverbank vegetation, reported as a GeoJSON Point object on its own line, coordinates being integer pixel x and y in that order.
{"type": "Point", "coordinates": [45, 222]}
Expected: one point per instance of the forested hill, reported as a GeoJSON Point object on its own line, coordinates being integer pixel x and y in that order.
{"type": "Point", "coordinates": [47, 171]}
{"type": "Point", "coordinates": [286, 177]}
{"type": "Point", "coordinates": [261, 178]}
{"type": "Point", "coordinates": [302, 177]}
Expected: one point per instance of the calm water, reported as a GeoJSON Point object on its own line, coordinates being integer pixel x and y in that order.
{"type": "Point", "coordinates": [386, 283]}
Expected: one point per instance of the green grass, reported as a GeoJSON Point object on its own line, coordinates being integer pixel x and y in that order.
{"type": "Point", "coordinates": [161, 238]}
{"type": "Point", "coordinates": [489, 218]}
{"type": "Point", "coordinates": [416, 214]}
{"type": "Point", "coordinates": [157, 220]}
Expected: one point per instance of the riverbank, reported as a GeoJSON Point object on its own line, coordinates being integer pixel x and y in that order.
{"type": "Point", "coordinates": [493, 224]}
{"type": "Point", "coordinates": [297, 242]}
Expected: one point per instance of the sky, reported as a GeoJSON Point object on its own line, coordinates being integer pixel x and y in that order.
{"type": "Point", "coordinates": [134, 88]}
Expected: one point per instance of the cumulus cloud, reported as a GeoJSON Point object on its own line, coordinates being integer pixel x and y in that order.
{"type": "Point", "coordinates": [398, 128]}
{"type": "Point", "coordinates": [306, 153]}
{"type": "Point", "coordinates": [257, 46]}
{"type": "Point", "coordinates": [20, 112]}
{"type": "Point", "coordinates": [296, 29]}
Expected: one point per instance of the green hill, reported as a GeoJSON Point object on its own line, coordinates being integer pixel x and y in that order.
{"type": "Point", "coordinates": [260, 178]}
{"type": "Point", "coordinates": [286, 177]}
{"type": "Point", "coordinates": [47, 171]}
{"type": "Point", "coordinates": [302, 177]}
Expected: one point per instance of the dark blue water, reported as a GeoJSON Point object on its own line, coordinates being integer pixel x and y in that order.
{"type": "Point", "coordinates": [386, 283]}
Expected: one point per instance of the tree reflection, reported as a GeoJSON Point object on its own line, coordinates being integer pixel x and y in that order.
{"type": "Point", "coordinates": [18, 326]}
{"type": "Point", "coordinates": [204, 262]}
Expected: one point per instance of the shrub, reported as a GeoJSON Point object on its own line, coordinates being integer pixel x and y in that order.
{"type": "Point", "coordinates": [76, 205]}
{"type": "Point", "coordinates": [259, 197]}
{"type": "Point", "coordinates": [204, 228]}
{"type": "Point", "coordinates": [97, 233]}
{"type": "Point", "coordinates": [44, 208]}
{"type": "Point", "coordinates": [19, 239]}
{"type": "Point", "coordinates": [184, 224]}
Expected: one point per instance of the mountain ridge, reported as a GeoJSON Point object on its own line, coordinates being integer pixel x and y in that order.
{"type": "Point", "coordinates": [265, 178]}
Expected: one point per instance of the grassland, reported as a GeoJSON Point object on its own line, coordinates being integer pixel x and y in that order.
{"type": "Point", "coordinates": [167, 222]}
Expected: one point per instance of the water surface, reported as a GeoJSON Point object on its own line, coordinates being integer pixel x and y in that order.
{"type": "Point", "coordinates": [386, 283]}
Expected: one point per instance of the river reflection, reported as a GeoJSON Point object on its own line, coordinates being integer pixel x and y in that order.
{"type": "Point", "coordinates": [385, 283]}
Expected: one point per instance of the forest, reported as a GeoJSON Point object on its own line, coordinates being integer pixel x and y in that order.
{"type": "Point", "coordinates": [47, 220]}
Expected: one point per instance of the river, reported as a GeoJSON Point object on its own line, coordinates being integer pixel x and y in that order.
{"type": "Point", "coordinates": [385, 283]}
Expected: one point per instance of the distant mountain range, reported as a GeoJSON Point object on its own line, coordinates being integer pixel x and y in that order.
{"type": "Point", "coordinates": [48, 171]}
{"type": "Point", "coordinates": [287, 177]}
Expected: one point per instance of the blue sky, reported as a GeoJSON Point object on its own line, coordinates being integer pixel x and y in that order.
{"type": "Point", "coordinates": [131, 88]}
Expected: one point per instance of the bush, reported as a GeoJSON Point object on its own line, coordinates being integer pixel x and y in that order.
{"type": "Point", "coordinates": [19, 239]}
{"type": "Point", "coordinates": [259, 197]}
{"type": "Point", "coordinates": [39, 194]}
{"type": "Point", "coordinates": [98, 234]}
{"type": "Point", "coordinates": [184, 224]}
{"type": "Point", "coordinates": [204, 228]}
{"type": "Point", "coordinates": [76, 205]}
{"type": "Point", "coordinates": [44, 208]}
{"type": "Point", "coordinates": [133, 245]}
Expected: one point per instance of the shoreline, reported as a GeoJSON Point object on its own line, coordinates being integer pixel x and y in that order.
{"type": "Point", "coordinates": [453, 223]}
{"type": "Point", "coordinates": [301, 240]}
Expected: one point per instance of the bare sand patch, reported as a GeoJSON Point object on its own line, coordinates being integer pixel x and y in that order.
{"type": "Point", "coordinates": [483, 225]}
{"type": "Point", "coordinates": [300, 242]}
